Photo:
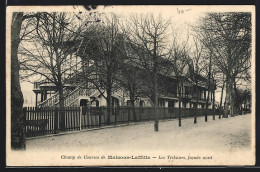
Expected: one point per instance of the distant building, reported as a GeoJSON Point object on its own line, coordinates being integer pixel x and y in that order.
{"type": "Point", "coordinates": [78, 93]}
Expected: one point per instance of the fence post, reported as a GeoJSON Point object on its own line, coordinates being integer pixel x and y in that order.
{"type": "Point", "coordinates": [128, 109]}
{"type": "Point", "coordinates": [99, 115]}
{"type": "Point", "coordinates": [195, 115]}
{"type": "Point", "coordinates": [80, 116]}
{"type": "Point", "coordinates": [140, 113]}
{"type": "Point", "coordinates": [24, 123]}
{"type": "Point", "coordinates": [114, 110]}
{"type": "Point", "coordinates": [179, 113]}
{"type": "Point", "coordinates": [149, 112]}
{"type": "Point", "coordinates": [164, 111]}
{"type": "Point", "coordinates": [56, 121]}
{"type": "Point", "coordinates": [179, 117]}
{"type": "Point", "coordinates": [170, 112]}
{"type": "Point", "coordinates": [213, 114]}
{"type": "Point", "coordinates": [206, 115]}
{"type": "Point", "coordinates": [62, 118]}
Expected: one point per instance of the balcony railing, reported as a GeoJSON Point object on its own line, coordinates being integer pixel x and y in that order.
{"type": "Point", "coordinates": [184, 95]}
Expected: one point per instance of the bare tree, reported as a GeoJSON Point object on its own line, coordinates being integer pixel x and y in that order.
{"type": "Point", "coordinates": [222, 91]}
{"type": "Point", "coordinates": [199, 62]}
{"type": "Point", "coordinates": [17, 132]}
{"type": "Point", "coordinates": [103, 46]}
{"type": "Point", "coordinates": [17, 125]}
{"type": "Point", "coordinates": [20, 28]}
{"type": "Point", "coordinates": [228, 37]}
{"type": "Point", "coordinates": [149, 33]}
{"type": "Point", "coordinates": [131, 78]}
{"type": "Point", "coordinates": [46, 51]}
{"type": "Point", "coordinates": [179, 59]}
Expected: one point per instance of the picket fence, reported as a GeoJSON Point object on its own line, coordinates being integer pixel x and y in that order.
{"type": "Point", "coordinates": [52, 120]}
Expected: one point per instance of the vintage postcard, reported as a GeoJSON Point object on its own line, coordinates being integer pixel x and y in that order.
{"type": "Point", "coordinates": [169, 85]}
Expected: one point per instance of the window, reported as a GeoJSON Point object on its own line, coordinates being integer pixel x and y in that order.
{"type": "Point", "coordinates": [83, 102]}
{"type": "Point", "coordinates": [115, 102]}
{"type": "Point", "coordinates": [171, 103]}
{"type": "Point", "coordinates": [97, 103]}
{"type": "Point", "coordinates": [128, 103]}
{"type": "Point", "coordinates": [141, 104]}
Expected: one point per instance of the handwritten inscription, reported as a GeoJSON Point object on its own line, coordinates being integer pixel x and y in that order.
{"type": "Point", "coordinates": [181, 11]}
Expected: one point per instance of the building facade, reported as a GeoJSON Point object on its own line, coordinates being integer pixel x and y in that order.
{"type": "Point", "coordinates": [183, 91]}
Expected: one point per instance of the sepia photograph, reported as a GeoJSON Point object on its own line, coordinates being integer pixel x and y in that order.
{"type": "Point", "coordinates": [146, 85]}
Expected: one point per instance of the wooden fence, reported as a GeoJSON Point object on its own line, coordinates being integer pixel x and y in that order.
{"type": "Point", "coordinates": [50, 120]}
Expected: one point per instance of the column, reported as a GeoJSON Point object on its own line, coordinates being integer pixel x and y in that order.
{"type": "Point", "coordinates": [45, 94]}
{"type": "Point", "coordinates": [41, 95]}
{"type": "Point", "coordinates": [36, 99]}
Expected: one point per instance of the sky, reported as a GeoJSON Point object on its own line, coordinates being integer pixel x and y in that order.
{"type": "Point", "coordinates": [181, 16]}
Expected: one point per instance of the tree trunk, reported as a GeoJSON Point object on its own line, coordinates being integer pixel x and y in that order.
{"type": "Point", "coordinates": [108, 107]}
{"type": "Point", "coordinates": [133, 109]}
{"type": "Point", "coordinates": [61, 106]}
{"type": "Point", "coordinates": [228, 99]}
{"type": "Point", "coordinates": [222, 90]}
{"type": "Point", "coordinates": [196, 110]}
{"type": "Point", "coordinates": [213, 104]}
{"type": "Point", "coordinates": [207, 105]}
{"type": "Point", "coordinates": [195, 104]}
{"type": "Point", "coordinates": [132, 100]}
{"type": "Point", "coordinates": [180, 91]}
{"type": "Point", "coordinates": [156, 115]}
{"type": "Point", "coordinates": [235, 102]}
{"type": "Point", "coordinates": [17, 116]}
{"type": "Point", "coordinates": [109, 98]}
{"type": "Point", "coordinates": [209, 89]}
{"type": "Point", "coordinates": [155, 72]}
